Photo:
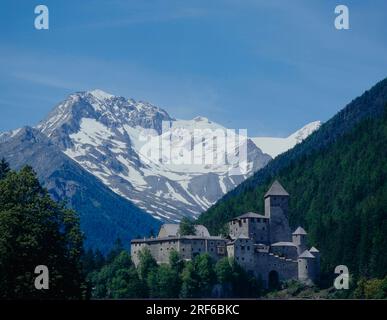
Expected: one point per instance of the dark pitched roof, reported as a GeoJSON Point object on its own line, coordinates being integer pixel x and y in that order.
{"type": "Point", "coordinates": [283, 244]}
{"type": "Point", "coordinates": [276, 190]}
{"type": "Point", "coordinates": [250, 215]}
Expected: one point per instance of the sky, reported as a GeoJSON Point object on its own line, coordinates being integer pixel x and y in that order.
{"type": "Point", "coordinates": [267, 66]}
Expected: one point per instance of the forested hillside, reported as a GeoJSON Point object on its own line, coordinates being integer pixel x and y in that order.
{"type": "Point", "coordinates": [338, 187]}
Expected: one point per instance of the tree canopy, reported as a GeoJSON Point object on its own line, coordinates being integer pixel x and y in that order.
{"type": "Point", "coordinates": [186, 227]}
{"type": "Point", "coordinates": [35, 230]}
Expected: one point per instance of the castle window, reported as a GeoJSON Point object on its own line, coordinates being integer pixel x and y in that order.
{"type": "Point", "coordinates": [248, 247]}
{"type": "Point", "coordinates": [243, 259]}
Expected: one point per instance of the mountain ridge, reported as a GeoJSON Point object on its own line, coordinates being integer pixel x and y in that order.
{"type": "Point", "coordinates": [275, 146]}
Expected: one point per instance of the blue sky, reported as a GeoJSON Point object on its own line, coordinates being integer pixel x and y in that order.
{"type": "Point", "coordinates": [268, 66]}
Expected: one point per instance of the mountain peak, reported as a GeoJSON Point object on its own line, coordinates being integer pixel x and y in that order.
{"type": "Point", "coordinates": [305, 131]}
{"type": "Point", "coordinates": [100, 94]}
{"type": "Point", "coordinates": [200, 119]}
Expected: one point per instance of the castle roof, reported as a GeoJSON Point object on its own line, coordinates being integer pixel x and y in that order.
{"type": "Point", "coordinates": [313, 249]}
{"type": "Point", "coordinates": [239, 236]}
{"type": "Point", "coordinates": [251, 215]}
{"type": "Point", "coordinates": [177, 238]}
{"type": "Point", "coordinates": [172, 230]}
{"type": "Point", "coordinates": [242, 236]}
{"type": "Point", "coordinates": [276, 190]}
{"type": "Point", "coordinates": [299, 231]}
{"type": "Point", "coordinates": [284, 244]}
{"type": "Point", "coordinates": [201, 231]}
{"type": "Point", "coordinates": [306, 255]}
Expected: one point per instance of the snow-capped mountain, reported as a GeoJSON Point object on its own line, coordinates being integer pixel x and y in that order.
{"type": "Point", "coordinates": [121, 142]}
{"type": "Point", "coordinates": [276, 146]}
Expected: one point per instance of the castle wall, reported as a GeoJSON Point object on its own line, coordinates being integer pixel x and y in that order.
{"type": "Point", "coordinates": [286, 268]}
{"type": "Point", "coordinates": [244, 254]}
{"type": "Point", "coordinates": [135, 249]}
{"type": "Point", "coordinates": [279, 226]}
{"type": "Point", "coordinates": [187, 248]}
{"type": "Point", "coordinates": [255, 228]}
{"type": "Point", "coordinates": [238, 227]}
{"type": "Point", "coordinates": [259, 230]}
{"type": "Point", "coordinates": [287, 251]}
{"type": "Point", "coordinates": [265, 262]}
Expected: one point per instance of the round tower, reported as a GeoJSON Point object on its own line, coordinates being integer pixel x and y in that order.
{"type": "Point", "coordinates": [316, 253]}
{"type": "Point", "coordinates": [299, 239]}
{"type": "Point", "coordinates": [306, 267]}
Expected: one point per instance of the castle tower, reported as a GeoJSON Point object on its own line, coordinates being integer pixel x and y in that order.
{"type": "Point", "coordinates": [277, 209]}
{"type": "Point", "coordinates": [299, 239]}
{"type": "Point", "coordinates": [276, 196]}
{"type": "Point", "coordinates": [316, 253]}
{"type": "Point", "coordinates": [307, 267]}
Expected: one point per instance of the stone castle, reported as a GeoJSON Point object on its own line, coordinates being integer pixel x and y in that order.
{"type": "Point", "coordinates": [262, 244]}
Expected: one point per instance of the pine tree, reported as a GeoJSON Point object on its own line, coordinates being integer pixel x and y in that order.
{"type": "Point", "coordinates": [34, 230]}
{"type": "Point", "coordinates": [4, 168]}
{"type": "Point", "coordinates": [187, 227]}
